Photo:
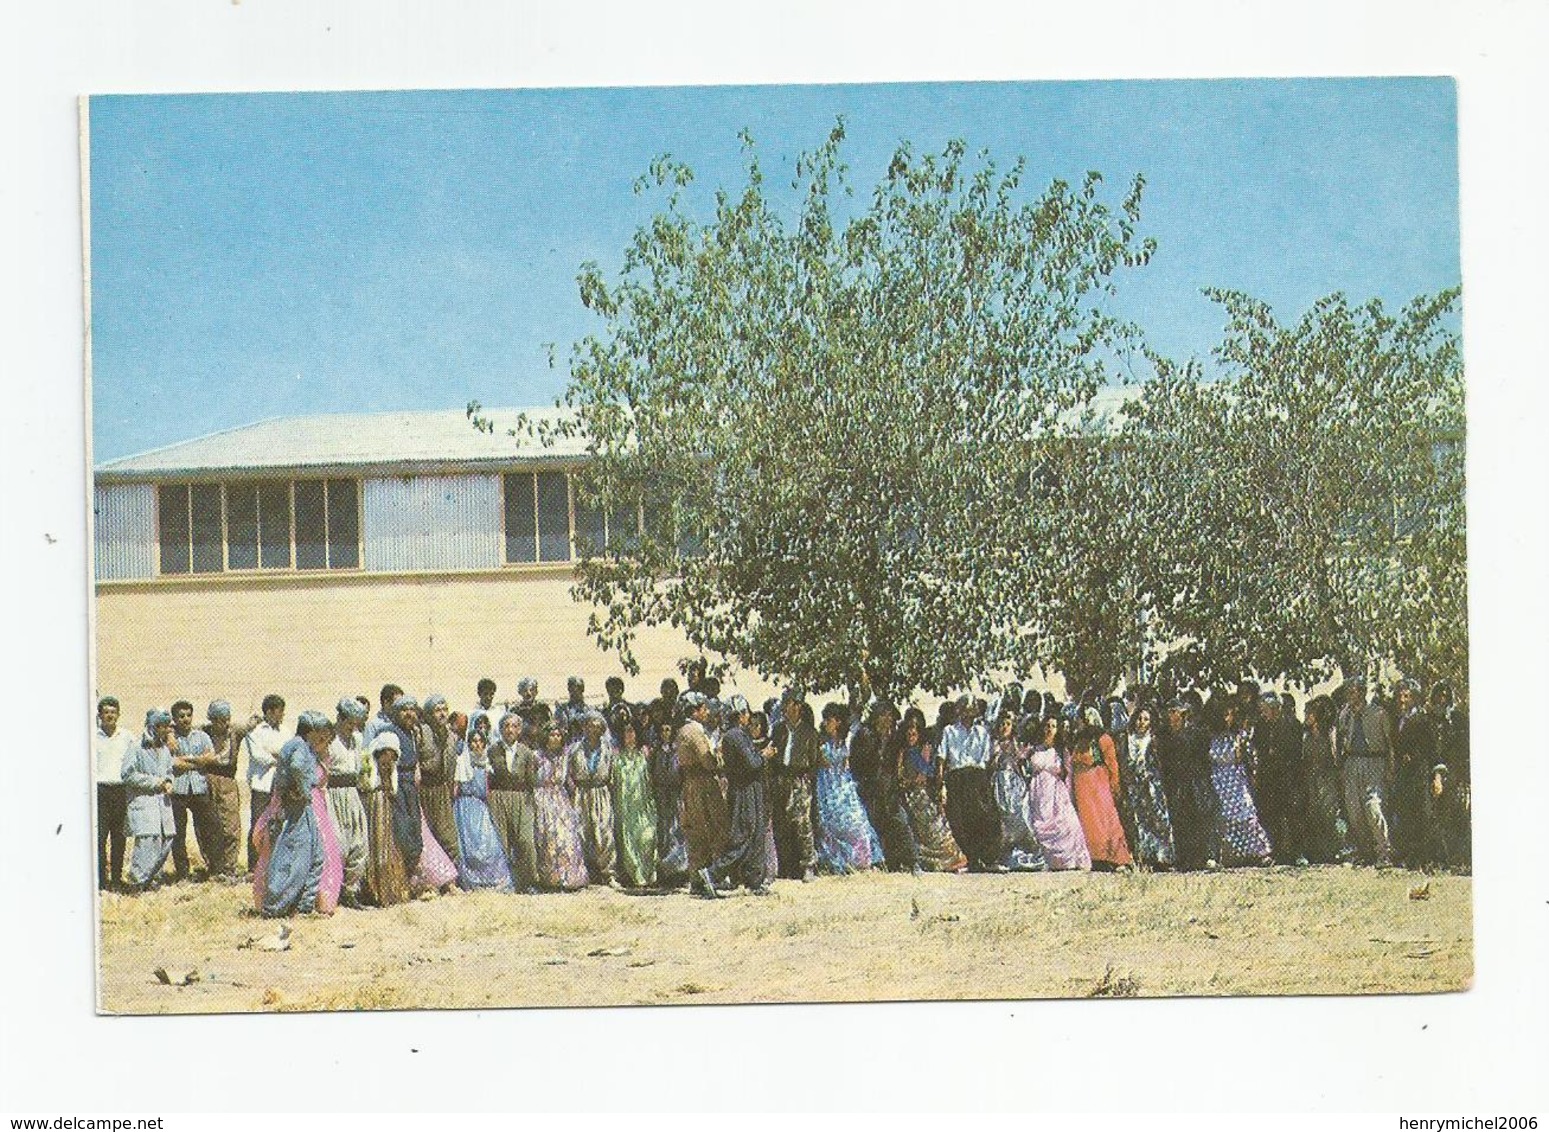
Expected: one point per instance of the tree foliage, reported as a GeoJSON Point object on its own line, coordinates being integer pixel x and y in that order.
{"type": "Point", "coordinates": [831, 406]}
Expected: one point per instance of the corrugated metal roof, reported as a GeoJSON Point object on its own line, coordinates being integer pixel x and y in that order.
{"type": "Point", "coordinates": [404, 441]}
{"type": "Point", "coordinates": [401, 441]}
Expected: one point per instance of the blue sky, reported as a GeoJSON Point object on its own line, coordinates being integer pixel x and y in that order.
{"type": "Point", "coordinates": [273, 254]}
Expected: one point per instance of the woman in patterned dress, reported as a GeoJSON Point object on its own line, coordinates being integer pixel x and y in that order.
{"type": "Point", "coordinates": [1093, 766]}
{"type": "Point", "coordinates": [1148, 823]}
{"type": "Point", "coordinates": [919, 784]}
{"type": "Point", "coordinates": [386, 881]}
{"type": "Point", "coordinates": [1241, 836]}
{"type": "Point", "coordinates": [1019, 850]}
{"type": "Point", "coordinates": [634, 804]}
{"type": "Point", "coordinates": [481, 860]}
{"type": "Point", "coordinates": [591, 773]}
{"type": "Point", "coordinates": [846, 843]}
{"type": "Point", "coordinates": [557, 822]}
{"type": "Point", "coordinates": [1055, 821]}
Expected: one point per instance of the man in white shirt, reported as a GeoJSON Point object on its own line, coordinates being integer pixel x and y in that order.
{"type": "Point", "coordinates": [262, 745]}
{"type": "Point", "coordinates": [109, 746]}
{"type": "Point", "coordinates": [971, 809]}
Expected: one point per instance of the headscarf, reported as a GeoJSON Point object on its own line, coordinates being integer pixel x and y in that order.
{"type": "Point", "coordinates": [156, 717]}
{"type": "Point", "coordinates": [310, 721]}
{"type": "Point", "coordinates": [467, 759]}
{"type": "Point", "coordinates": [527, 686]}
{"type": "Point", "coordinates": [351, 708]}
{"type": "Point", "coordinates": [404, 702]}
{"type": "Point", "coordinates": [219, 709]}
{"type": "Point", "coordinates": [432, 702]}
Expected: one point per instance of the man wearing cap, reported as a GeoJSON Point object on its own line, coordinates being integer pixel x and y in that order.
{"type": "Point", "coordinates": [704, 806]}
{"type": "Point", "coordinates": [438, 766]}
{"type": "Point", "coordinates": [220, 772]}
{"type": "Point", "coordinates": [109, 746]}
{"type": "Point", "coordinates": [345, 760]}
{"type": "Point", "coordinates": [796, 744]}
{"type": "Point", "coordinates": [1279, 786]}
{"type": "Point", "coordinates": [1183, 754]}
{"type": "Point", "coordinates": [742, 861]}
{"type": "Point", "coordinates": [147, 775]}
{"type": "Point", "coordinates": [262, 747]}
{"type": "Point", "coordinates": [1363, 745]}
{"type": "Point", "coordinates": [190, 789]}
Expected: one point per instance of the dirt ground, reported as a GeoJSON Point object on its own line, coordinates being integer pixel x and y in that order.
{"type": "Point", "coordinates": [878, 937]}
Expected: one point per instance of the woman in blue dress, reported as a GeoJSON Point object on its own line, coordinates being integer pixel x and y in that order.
{"type": "Point", "coordinates": [1242, 837]}
{"type": "Point", "coordinates": [293, 874]}
{"type": "Point", "coordinates": [846, 843]}
{"type": "Point", "coordinates": [1143, 805]}
{"type": "Point", "coordinates": [482, 863]}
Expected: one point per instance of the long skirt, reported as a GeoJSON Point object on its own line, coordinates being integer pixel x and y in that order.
{"type": "Point", "coordinates": [436, 805]}
{"type": "Point", "coordinates": [148, 858]}
{"type": "Point", "coordinates": [511, 812]}
{"type": "Point", "coordinates": [407, 820]}
{"type": "Point", "coordinates": [846, 843]}
{"type": "Point", "coordinates": [671, 846]}
{"type": "Point", "coordinates": [886, 813]}
{"type": "Point", "coordinates": [1366, 807]}
{"type": "Point", "coordinates": [436, 868]}
{"type": "Point", "coordinates": [386, 880]}
{"type": "Point", "coordinates": [1093, 794]}
{"type": "Point", "coordinates": [705, 819]}
{"type": "Point", "coordinates": [972, 814]}
{"type": "Point", "coordinates": [1326, 836]}
{"type": "Point", "coordinates": [1242, 836]}
{"type": "Point", "coordinates": [300, 867]}
{"type": "Point", "coordinates": [349, 819]}
{"type": "Point", "coordinates": [792, 809]}
{"type": "Point", "coordinates": [742, 861]}
{"type": "Point", "coordinates": [939, 852]}
{"type": "Point", "coordinates": [635, 818]}
{"type": "Point", "coordinates": [1056, 823]}
{"type": "Point", "coordinates": [481, 860]}
{"type": "Point", "coordinates": [1148, 822]}
{"type": "Point", "coordinates": [557, 837]}
{"type": "Point", "coordinates": [1019, 848]}
{"type": "Point", "coordinates": [595, 804]}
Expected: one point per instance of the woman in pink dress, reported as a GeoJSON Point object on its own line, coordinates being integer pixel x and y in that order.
{"type": "Point", "coordinates": [1093, 765]}
{"type": "Point", "coordinates": [1055, 821]}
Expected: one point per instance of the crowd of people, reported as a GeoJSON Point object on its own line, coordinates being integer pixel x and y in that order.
{"type": "Point", "coordinates": [697, 790]}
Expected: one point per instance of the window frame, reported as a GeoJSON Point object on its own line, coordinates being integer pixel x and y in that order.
{"type": "Point", "coordinates": [186, 488]}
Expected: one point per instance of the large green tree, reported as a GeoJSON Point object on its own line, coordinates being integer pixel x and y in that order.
{"type": "Point", "coordinates": [827, 406]}
{"type": "Point", "coordinates": [1304, 506]}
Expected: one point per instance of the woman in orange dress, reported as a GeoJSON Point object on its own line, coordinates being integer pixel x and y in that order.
{"type": "Point", "coordinates": [1093, 769]}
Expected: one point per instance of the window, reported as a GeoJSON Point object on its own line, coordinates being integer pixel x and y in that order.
{"type": "Point", "coordinates": [546, 521]}
{"type": "Point", "coordinates": [205, 528]}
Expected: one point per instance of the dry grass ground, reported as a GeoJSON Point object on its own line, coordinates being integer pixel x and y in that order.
{"type": "Point", "coordinates": [1306, 931]}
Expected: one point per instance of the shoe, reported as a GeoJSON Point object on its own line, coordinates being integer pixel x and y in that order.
{"type": "Point", "coordinates": [808, 874]}
{"type": "Point", "coordinates": [705, 885]}
{"type": "Point", "coordinates": [759, 890]}
{"type": "Point", "coordinates": [917, 871]}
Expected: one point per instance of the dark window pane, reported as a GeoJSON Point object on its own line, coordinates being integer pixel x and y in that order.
{"type": "Point", "coordinates": [172, 519]}
{"type": "Point", "coordinates": [274, 525]}
{"type": "Point", "coordinates": [553, 517]}
{"type": "Point", "coordinates": [311, 526]}
{"type": "Point", "coordinates": [242, 527]}
{"type": "Point", "coordinates": [343, 525]}
{"type": "Point", "coordinates": [521, 519]}
{"type": "Point", "coordinates": [591, 536]}
{"type": "Point", "coordinates": [208, 558]}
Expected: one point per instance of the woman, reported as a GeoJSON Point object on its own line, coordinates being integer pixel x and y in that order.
{"type": "Point", "coordinates": [1148, 824]}
{"type": "Point", "coordinates": [346, 755]}
{"type": "Point", "coordinates": [667, 786]}
{"type": "Point", "coordinates": [299, 865]}
{"type": "Point", "coordinates": [1093, 765]}
{"type": "Point", "coordinates": [1055, 821]}
{"type": "Point", "coordinates": [481, 861]}
{"type": "Point", "coordinates": [561, 857]}
{"type": "Point", "coordinates": [512, 775]}
{"type": "Point", "coordinates": [147, 776]}
{"type": "Point", "coordinates": [634, 805]}
{"type": "Point", "coordinates": [591, 772]}
{"type": "Point", "coordinates": [846, 843]}
{"type": "Point", "coordinates": [1241, 836]}
{"type": "Point", "coordinates": [386, 881]}
{"type": "Point", "coordinates": [1019, 849]}
{"type": "Point", "coordinates": [758, 731]}
{"type": "Point", "coordinates": [436, 871]}
{"type": "Point", "coordinates": [919, 783]}
{"type": "Point", "coordinates": [1326, 829]}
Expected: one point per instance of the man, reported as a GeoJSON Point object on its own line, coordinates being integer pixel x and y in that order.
{"type": "Point", "coordinates": [615, 689]}
{"type": "Point", "coordinates": [262, 746]}
{"type": "Point", "coordinates": [438, 768]}
{"type": "Point", "coordinates": [971, 809]}
{"type": "Point", "coordinates": [147, 775]}
{"type": "Point", "coordinates": [528, 705]}
{"type": "Point", "coordinates": [486, 706]}
{"type": "Point", "coordinates": [796, 745]}
{"type": "Point", "coordinates": [1183, 754]}
{"type": "Point", "coordinates": [1415, 759]}
{"type": "Point", "coordinates": [383, 719]}
{"type": "Point", "coordinates": [1280, 784]}
{"type": "Point", "coordinates": [877, 785]}
{"type": "Point", "coordinates": [346, 756]}
{"type": "Point", "coordinates": [1450, 781]}
{"type": "Point", "coordinates": [742, 862]}
{"type": "Point", "coordinates": [220, 773]}
{"type": "Point", "coordinates": [512, 770]}
{"type": "Point", "coordinates": [1363, 746]}
{"type": "Point", "coordinates": [568, 715]}
{"type": "Point", "coordinates": [403, 722]}
{"type": "Point", "coordinates": [191, 756]}
{"type": "Point", "coordinates": [110, 745]}
{"type": "Point", "coordinates": [704, 806]}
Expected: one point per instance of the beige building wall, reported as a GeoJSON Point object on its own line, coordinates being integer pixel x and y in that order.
{"type": "Point", "coordinates": [315, 638]}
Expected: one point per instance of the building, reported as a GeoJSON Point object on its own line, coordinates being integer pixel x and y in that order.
{"type": "Point", "coordinates": [325, 555]}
